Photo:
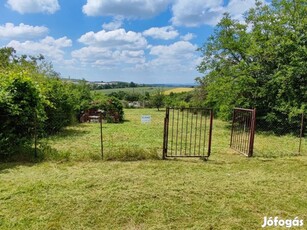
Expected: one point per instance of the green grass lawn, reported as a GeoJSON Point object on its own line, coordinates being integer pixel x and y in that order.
{"type": "Point", "coordinates": [74, 189]}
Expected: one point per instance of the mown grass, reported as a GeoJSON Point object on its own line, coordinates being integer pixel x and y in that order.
{"type": "Point", "coordinates": [74, 189]}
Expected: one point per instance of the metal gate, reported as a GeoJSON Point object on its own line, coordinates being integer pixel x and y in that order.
{"type": "Point", "coordinates": [243, 131]}
{"type": "Point", "coordinates": [187, 132]}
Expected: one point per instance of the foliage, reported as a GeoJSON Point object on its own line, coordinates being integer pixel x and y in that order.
{"type": "Point", "coordinates": [21, 110]}
{"type": "Point", "coordinates": [34, 99]}
{"type": "Point", "coordinates": [183, 99]}
{"type": "Point", "coordinates": [114, 111]}
{"type": "Point", "coordinates": [157, 99]}
{"type": "Point", "coordinates": [259, 63]}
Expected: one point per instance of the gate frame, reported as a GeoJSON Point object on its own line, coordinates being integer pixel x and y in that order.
{"type": "Point", "coordinates": [251, 133]}
{"type": "Point", "coordinates": [166, 129]}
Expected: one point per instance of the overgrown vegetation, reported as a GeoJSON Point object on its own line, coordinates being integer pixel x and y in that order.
{"type": "Point", "coordinates": [259, 63]}
{"type": "Point", "coordinates": [34, 100]}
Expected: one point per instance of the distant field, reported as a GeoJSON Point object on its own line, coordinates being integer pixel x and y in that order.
{"type": "Point", "coordinates": [178, 90]}
{"type": "Point", "coordinates": [140, 90]}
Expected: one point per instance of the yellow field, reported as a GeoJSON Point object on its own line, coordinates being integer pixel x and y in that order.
{"type": "Point", "coordinates": [177, 90]}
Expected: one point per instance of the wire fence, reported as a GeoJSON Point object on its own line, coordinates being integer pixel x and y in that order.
{"type": "Point", "coordinates": [144, 141]}
{"type": "Point", "coordinates": [280, 139]}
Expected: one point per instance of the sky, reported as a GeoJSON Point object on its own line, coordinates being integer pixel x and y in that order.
{"type": "Point", "coordinates": [144, 41]}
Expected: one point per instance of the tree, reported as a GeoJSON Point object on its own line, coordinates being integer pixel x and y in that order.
{"type": "Point", "coordinates": [259, 63]}
{"type": "Point", "coordinates": [157, 99]}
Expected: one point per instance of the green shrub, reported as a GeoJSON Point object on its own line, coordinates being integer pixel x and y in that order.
{"type": "Point", "coordinates": [21, 110]}
{"type": "Point", "coordinates": [114, 111]}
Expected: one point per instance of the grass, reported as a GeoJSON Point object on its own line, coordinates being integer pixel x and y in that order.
{"type": "Point", "coordinates": [74, 189]}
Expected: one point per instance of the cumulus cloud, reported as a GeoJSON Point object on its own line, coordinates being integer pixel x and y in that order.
{"type": "Point", "coordinates": [108, 58]}
{"type": "Point", "coordinates": [114, 39]}
{"type": "Point", "coordinates": [113, 25]}
{"type": "Point", "coordinates": [125, 8]}
{"type": "Point", "coordinates": [165, 33]}
{"type": "Point", "coordinates": [188, 37]}
{"type": "Point", "coordinates": [21, 31]}
{"type": "Point", "coordinates": [179, 56]}
{"type": "Point", "coordinates": [34, 6]}
{"type": "Point", "coordinates": [209, 12]}
{"type": "Point", "coordinates": [107, 49]}
{"type": "Point", "coordinates": [49, 47]}
{"type": "Point", "coordinates": [198, 12]}
{"type": "Point", "coordinates": [237, 12]}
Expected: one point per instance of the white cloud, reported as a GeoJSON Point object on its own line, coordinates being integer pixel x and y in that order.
{"type": "Point", "coordinates": [107, 58]}
{"type": "Point", "coordinates": [125, 8]}
{"type": "Point", "coordinates": [114, 39]}
{"type": "Point", "coordinates": [49, 47]}
{"type": "Point", "coordinates": [188, 37]}
{"type": "Point", "coordinates": [165, 33]}
{"type": "Point", "coordinates": [113, 25]}
{"type": "Point", "coordinates": [207, 12]}
{"type": "Point", "coordinates": [237, 12]}
{"type": "Point", "coordinates": [34, 6]}
{"type": "Point", "coordinates": [197, 12]}
{"type": "Point", "coordinates": [22, 31]}
{"type": "Point", "coordinates": [110, 49]}
{"type": "Point", "coordinates": [179, 56]}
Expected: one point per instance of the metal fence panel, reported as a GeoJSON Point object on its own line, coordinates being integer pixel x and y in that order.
{"type": "Point", "coordinates": [243, 131]}
{"type": "Point", "coordinates": [187, 132]}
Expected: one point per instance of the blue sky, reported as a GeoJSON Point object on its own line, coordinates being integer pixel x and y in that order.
{"type": "Point", "coordinates": [144, 41]}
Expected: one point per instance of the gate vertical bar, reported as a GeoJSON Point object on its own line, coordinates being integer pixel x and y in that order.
{"type": "Point", "coordinates": [165, 138]}
{"type": "Point", "coordinates": [182, 111]}
{"type": "Point", "coordinates": [177, 130]}
{"type": "Point", "coordinates": [200, 129]}
{"type": "Point", "coordinates": [195, 139]}
{"type": "Point", "coordinates": [232, 128]}
{"type": "Point", "coordinates": [252, 134]}
{"type": "Point", "coordinates": [210, 132]}
{"type": "Point", "coordinates": [186, 132]}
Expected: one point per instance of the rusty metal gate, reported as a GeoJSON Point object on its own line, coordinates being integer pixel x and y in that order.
{"type": "Point", "coordinates": [187, 132]}
{"type": "Point", "coordinates": [243, 131]}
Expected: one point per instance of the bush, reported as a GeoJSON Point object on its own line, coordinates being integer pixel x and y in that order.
{"type": "Point", "coordinates": [21, 109]}
{"type": "Point", "coordinates": [113, 107]}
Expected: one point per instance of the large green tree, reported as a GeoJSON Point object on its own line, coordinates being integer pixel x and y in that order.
{"type": "Point", "coordinates": [259, 63]}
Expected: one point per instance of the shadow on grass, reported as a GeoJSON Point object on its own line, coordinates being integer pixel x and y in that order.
{"type": "Point", "coordinates": [21, 156]}
{"type": "Point", "coordinates": [5, 167]}
{"type": "Point", "coordinates": [70, 132]}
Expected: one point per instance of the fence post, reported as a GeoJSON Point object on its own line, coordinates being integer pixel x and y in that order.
{"type": "Point", "coordinates": [232, 127]}
{"type": "Point", "coordinates": [252, 134]}
{"type": "Point", "coordinates": [210, 132]}
{"type": "Point", "coordinates": [165, 137]}
{"type": "Point", "coordinates": [301, 133]}
{"type": "Point", "coordinates": [35, 134]}
{"type": "Point", "coordinates": [101, 137]}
